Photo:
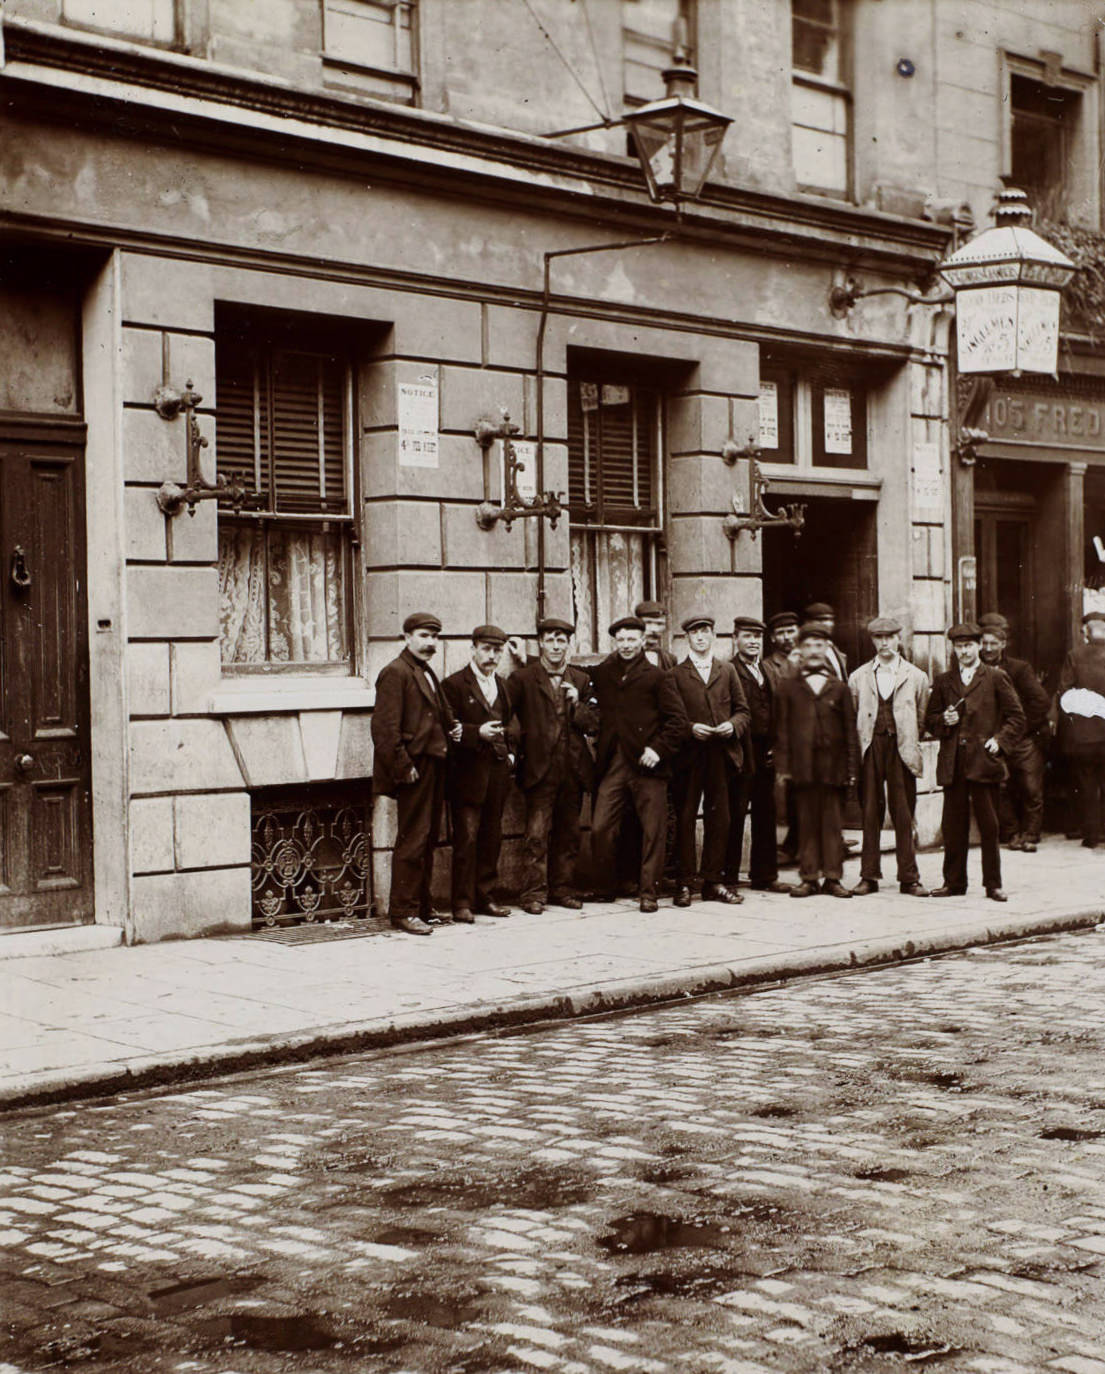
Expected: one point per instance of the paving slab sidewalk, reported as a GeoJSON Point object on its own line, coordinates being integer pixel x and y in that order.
{"type": "Point", "coordinates": [104, 1020]}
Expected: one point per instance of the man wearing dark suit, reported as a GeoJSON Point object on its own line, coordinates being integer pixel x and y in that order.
{"type": "Point", "coordinates": [753, 788]}
{"type": "Point", "coordinates": [975, 713]}
{"type": "Point", "coordinates": [782, 662]}
{"type": "Point", "coordinates": [1022, 793]}
{"type": "Point", "coordinates": [821, 614]}
{"type": "Point", "coordinates": [641, 726]}
{"type": "Point", "coordinates": [718, 716]}
{"type": "Point", "coordinates": [1081, 703]}
{"type": "Point", "coordinates": [411, 729]}
{"type": "Point", "coordinates": [656, 627]}
{"type": "Point", "coordinates": [816, 748]}
{"type": "Point", "coordinates": [478, 775]}
{"type": "Point", "coordinates": [550, 700]}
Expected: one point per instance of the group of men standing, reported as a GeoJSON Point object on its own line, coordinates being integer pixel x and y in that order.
{"type": "Point", "coordinates": [646, 736]}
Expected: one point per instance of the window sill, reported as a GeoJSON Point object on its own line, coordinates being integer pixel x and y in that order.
{"type": "Point", "coordinates": [249, 697]}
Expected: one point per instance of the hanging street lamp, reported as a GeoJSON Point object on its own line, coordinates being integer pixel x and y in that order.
{"type": "Point", "coordinates": [677, 139]}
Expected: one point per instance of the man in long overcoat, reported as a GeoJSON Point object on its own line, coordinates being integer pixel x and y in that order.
{"type": "Point", "coordinates": [550, 698]}
{"type": "Point", "coordinates": [478, 775]}
{"type": "Point", "coordinates": [816, 749]}
{"type": "Point", "coordinates": [412, 726]}
{"type": "Point", "coordinates": [891, 696]}
{"type": "Point", "coordinates": [641, 727]}
{"type": "Point", "coordinates": [714, 754]}
{"type": "Point", "coordinates": [976, 714]}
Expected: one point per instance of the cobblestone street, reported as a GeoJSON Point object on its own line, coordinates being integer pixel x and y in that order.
{"type": "Point", "coordinates": [897, 1169]}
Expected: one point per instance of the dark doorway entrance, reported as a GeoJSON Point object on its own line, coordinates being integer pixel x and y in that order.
{"type": "Point", "coordinates": [835, 560]}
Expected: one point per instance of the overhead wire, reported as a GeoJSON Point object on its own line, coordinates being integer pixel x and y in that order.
{"type": "Point", "coordinates": [604, 115]}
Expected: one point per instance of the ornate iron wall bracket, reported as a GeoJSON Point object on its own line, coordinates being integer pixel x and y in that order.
{"type": "Point", "coordinates": [758, 517]}
{"type": "Point", "coordinates": [515, 506]}
{"type": "Point", "coordinates": [171, 496]}
{"type": "Point", "coordinates": [844, 295]}
{"type": "Point", "coordinates": [973, 396]}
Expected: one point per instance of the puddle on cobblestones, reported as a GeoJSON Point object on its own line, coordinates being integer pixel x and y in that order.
{"type": "Point", "coordinates": [877, 1175]}
{"type": "Point", "coordinates": [407, 1236]}
{"type": "Point", "coordinates": [774, 1111]}
{"type": "Point", "coordinates": [1070, 1133]}
{"type": "Point", "coordinates": [432, 1309]}
{"type": "Point", "coordinates": [261, 1331]}
{"type": "Point", "coordinates": [198, 1292]}
{"type": "Point", "coordinates": [916, 1350]}
{"type": "Point", "coordinates": [528, 1188]}
{"type": "Point", "coordinates": [643, 1233]}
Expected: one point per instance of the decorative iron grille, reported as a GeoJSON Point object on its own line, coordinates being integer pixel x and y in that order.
{"type": "Point", "coordinates": [311, 858]}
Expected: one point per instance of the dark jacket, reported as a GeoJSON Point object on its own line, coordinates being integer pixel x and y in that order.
{"type": "Point", "coordinates": [815, 732]}
{"type": "Point", "coordinates": [1035, 702]}
{"type": "Point", "coordinates": [410, 720]}
{"type": "Point", "coordinates": [638, 710]}
{"type": "Point", "coordinates": [777, 666]}
{"type": "Point", "coordinates": [711, 703]}
{"type": "Point", "coordinates": [666, 661]}
{"type": "Point", "coordinates": [533, 702]}
{"type": "Point", "coordinates": [991, 709]}
{"type": "Point", "coordinates": [1083, 731]}
{"type": "Point", "coordinates": [474, 761]}
{"type": "Point", "coordinates": [761, 706]}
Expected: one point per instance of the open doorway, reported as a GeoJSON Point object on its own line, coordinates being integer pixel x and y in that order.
{"type": "Point", "coordinates": [835, 560]}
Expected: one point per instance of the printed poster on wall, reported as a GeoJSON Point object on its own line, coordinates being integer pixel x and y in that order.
{"type": "Point", "coordinates": [838, 420]}
{"type": "Point", "coordinates": [928, 492]}
{"type": "Point", "coordinates": [769, 415]}
{"type": "Point", "coordinates": [418, 411]}
{"type": "Point", "coordinates": [525, 480]}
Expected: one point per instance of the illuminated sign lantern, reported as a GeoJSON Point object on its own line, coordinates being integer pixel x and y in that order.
{"type": "Point", "coordinates": [1007, 282]}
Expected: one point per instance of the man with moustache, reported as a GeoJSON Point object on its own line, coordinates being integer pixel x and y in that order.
{"type": "Point", "coordinates": [718, 716]}
{"type": "Point", "coordinates": [656, 627]}
{"type": "Point", "coordinates": [890, 696]}
{"type": "Point", "coordinates": [821, 614]}
{"type": "Point", "coordinates": [976, 715]}
{"type": "Point", "coordinates": [478, 775]}
{"type": "Point", "coordinates": [550, 699]}
{"type": "Point", "coordinates": [782, 628]}
{"type": "Point", "coordinates": [1021, 795]}
{"type": "Point", "coordinates": [816, 748]}
{"type": "Point", "coordinates": [412, 725]}
{"type": "Point", "coordinates": [752, 789]}
{"type": "Point", "coordinates": [642, 724]}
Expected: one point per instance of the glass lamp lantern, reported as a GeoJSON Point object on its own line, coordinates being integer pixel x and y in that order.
{"type": "Point", "coordinates": [678, 138]}
{"type": "Point", "coordinates": [1007, 282]}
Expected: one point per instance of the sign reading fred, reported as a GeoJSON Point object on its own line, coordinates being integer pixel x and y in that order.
{"type": "Point", "coordinates": [1052, 419]}
{"type": "Point", "coordinates": [1007, 329]}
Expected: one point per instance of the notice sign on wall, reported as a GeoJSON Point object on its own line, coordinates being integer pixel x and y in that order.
{"type": "Point", "coordinates": [838, 420]}
{"type": "Point", "coordinates": [418, 409]}
{"type": "Point", "coordinates": [769, 415]}
{"type": "Point", "coordinates": [928, 490]}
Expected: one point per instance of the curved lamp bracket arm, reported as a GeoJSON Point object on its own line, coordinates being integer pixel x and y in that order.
{"type": "Point", "coordinates": [754, 515]}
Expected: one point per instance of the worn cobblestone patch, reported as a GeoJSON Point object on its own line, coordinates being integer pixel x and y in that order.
{"type": "Point", "coordinates": [894, 1170]}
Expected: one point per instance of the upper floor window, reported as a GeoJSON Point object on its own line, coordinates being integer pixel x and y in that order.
{"type": "Point", "coordinates": [1044, 122]}
{"type": "Point", "coordinates": [813, 414]}
{"type": "Point", "coordinates": [820, 96]}
{"type": "Point", "coordinates": [650, 29]}
{"type": "Point", "coordinates": [284, 424]}
{"type": "Point", "coordinates": [155, 20]}
{"type": "Point", "coordinates": [373, 45]}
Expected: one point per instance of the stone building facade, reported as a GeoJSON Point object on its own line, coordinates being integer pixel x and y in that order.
{"type": "Point", "coordinates": [332, 217]}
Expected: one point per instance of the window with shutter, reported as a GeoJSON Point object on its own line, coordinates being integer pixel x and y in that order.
{"type": "Point", "coordinates": [282, 426]}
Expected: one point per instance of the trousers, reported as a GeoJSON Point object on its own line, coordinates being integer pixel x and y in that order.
{"type": "Point", "coordinates": [551, 843]}
{"type": "Point", "coordinates": [477, 841]}
{"type": "Point", "coordinates": [1021, 798]}
{"type": "Point", "coordinates": [960, 799]}
{"type": "Point", "coordinates": [1089, 771]}
{"type": "Point", "coordinates": [753, 792]}
{"type": "Point", "coordinates": [704, 779]}
{"type": "Point", "coordinates": [820, 830]}
{"type": "Point", "coordinates": [412, 860]}
{"type": "Point", "coordinates": [886, 781]}
{"type": "Point", "coordinates": [620, 784]}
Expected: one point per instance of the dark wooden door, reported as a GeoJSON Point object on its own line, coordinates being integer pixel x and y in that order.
{"type": "Point", "coordinates": [45, 792]}
{"type": "Point", "coordinates": [1003, 549]}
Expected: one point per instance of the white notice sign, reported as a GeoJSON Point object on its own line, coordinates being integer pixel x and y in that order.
{"type": "Point", "coordinates": [525, 480]}
{"type": "Point", "coordinates": [1038, 330]}
{"type": "Point", "coordinates": [838, 421]}
{"type": "Point", "coordinates": [928, 491]}
{"type": "Point", "coordinates": [418, 438]}
{"type": "Point", "coordinates": [986, 329]}
{"type": "Point", "coordinates": [769, 415]}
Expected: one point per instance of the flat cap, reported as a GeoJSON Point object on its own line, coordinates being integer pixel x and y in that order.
{"type": "Point", "coordinates": [811, 631]}
{"type": "Point", "coordinates": [781, 619]}
{"type": "Point", "coordinates": [552, 622]}
{"type": "Point", "coordinates": [627, 622]}
{"type": "Point", "coordinates": [966, 629]}
{"type": "Point", "coordinates": [488, 634]}
{"type": "Point", "coordinates": [994, 620]}
{"type": "Point", "coordinates": [749, 622]}
{"type": "Point", "coordinates": [819, 610]}
{"type": "Point", "coordinates": [649, 608]}
{"type": "Point", "coordinates": [1093, 615]}
{"type": "Point", "coordinates": [884, 625]}
{"type": "Point", "coordinates": [421, 620]}
{"type": "Point", "coordinates": [692, 621]}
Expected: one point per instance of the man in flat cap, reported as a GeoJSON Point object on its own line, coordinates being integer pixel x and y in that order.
{"type": "Point", "coordinates": [708, 763]}
{"type": "Point", "coordinates": [976, 715]}
{"type": "Point", "coordinates": [1081, 700]}
{"type": "Point", "coordinates": [551, 701]}
{"type": "Point", "coordinates": [753, 788]}
{"type": "Point", "coordinates": [782, 627]}
{"type": "Point", "coordinates": [821, 614]}
{"type": "Point", "coordinates": [1021, 795]}
{"type": "Point", "coordinates": [478, 775]}
{"type": "Point", "coordinates": [891, 696]}
{"type": "Point", "coordinates": [656, 627]}
{"type": "Point", "coordinates": [412, 725]}
{"type": "Point", "coordinates": [816, 748]}
{"type": "Point", "coordinates": [641, 727]}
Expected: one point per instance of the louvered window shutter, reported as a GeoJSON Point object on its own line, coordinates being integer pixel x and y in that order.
{"type": "Point", "coordinates": [611, 453]}
{"type": "Point", "coordinates": [241, 433]}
